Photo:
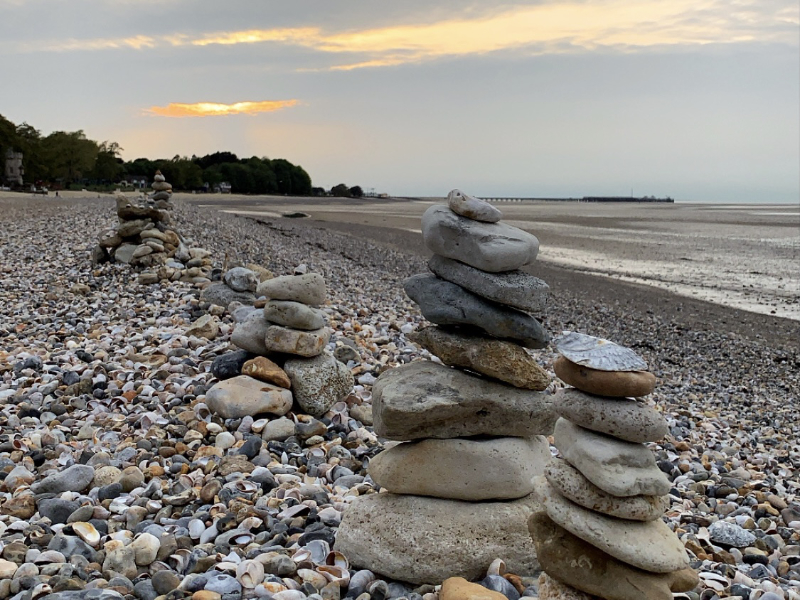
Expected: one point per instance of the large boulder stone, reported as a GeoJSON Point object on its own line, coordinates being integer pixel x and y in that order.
{"type": "Point", "coordinates": [221, 295]}
{"type": "Point", "coordinates": [647, 545]}
{"type": "Point", "coordinates": [600, 574]}
{"type": "Point", "coordinates": [318, 383]}
{"type": "Point", "coordinates": [446, 303]}
{"type": "Point", "coordinates": [427, 540]}
{"type": "Point", "coordinates": [427, 400]}
{"type": "Point", "coordinates": [72, 479]}
{"type": "Point", "coordinates": [250, 333]}
{"type": "Point", "coordinates": [624, 419]}
{"type": "Point", "coordinates": [570, 483]}
{"type": "Point", "coordinates": [492, 247]}
{"type": "Point", "coordinates": [243, 396]}
{"type": "Point", "coordinates": [462, 469]}
{"type": "Point", "coordinates": [512, 288]}
{"type": "Point", "coordinates": [488, 356]}
{"type": "Point", "coordinates": [617, 467]}
{"type": "Point", "coordinates": [308, 288]}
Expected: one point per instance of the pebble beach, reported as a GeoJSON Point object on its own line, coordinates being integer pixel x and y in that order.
{"type": "Point", "coordinates": [117, 483]}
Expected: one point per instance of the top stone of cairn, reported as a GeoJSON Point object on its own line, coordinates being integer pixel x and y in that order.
{"type": "Point", "coordinates": [472, 208]}
{"type": "Point", "coordinates": [597, 353]}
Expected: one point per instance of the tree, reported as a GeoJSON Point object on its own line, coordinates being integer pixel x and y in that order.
{"type": "Point", "coordinates": [108, 166]}
{"type": "Point", "coordinates": [356, 191]}
{"type": "Point", "coordinates": [70, 155]}
{"type": "Point", "coordinates": [341, 190]}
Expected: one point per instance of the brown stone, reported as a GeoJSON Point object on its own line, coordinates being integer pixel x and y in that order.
{"type": "Point", "coordinates": [491, 357]}
{"type": "Point", "coordinates": [553, 589]}
{"type": "Point", "coordinates": [560, 553]}
{"type": "Point", "coordinates": [264, 369]}
{"type": "Point", "coordinates": [22, 507]}
{"type": "Point", "coordinates": [458, 588]}
{"type": "Point", "coordinates": [617, 384]}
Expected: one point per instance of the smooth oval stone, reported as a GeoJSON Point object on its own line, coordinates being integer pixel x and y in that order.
{"type": "Point", "coordinates": [617, 467]}
{"type": "Point", "coordinates": [472, 208]}
{"type": "Point", "coordinates": [427, 400]}
{"type": "Point", "coordinates": [240, 279]}
{"type": "Point", "coordinates": [318, 382]}
{"type": "Point", "coordinates": [516, 289]}
{"type": "Point", "coordinates": [600, 574]}
{"type": "Point", "coordinates": [570, 483]}
{"type": "Point", "coordinates": [221, 295]}
{"type": "Point", "coordinates": [647, 545]}
{"type": "Point", "coordinates": [294, 315]}
{"type": "Point", "coordinates": [243, 396]}
{"type": "Point", "coordinates": [308, 288]}
{"type": "Point", "coordinates": [462, 469]}
{"type": "Point", "coordinates": [391, 534]}
{"type": "Point", "coordinates": [623, 419]}
{"type": "Point", "coordinates": [264, 369]}
{"type": "Point", "coordinates": [249, 333]}
{"type": "Point", "coordinates": [446, 303]}
{"type": "Point", "coordinates": [597, 353]}
{"type": "Point", "coordinates": [299, 343]}
{"type": "Point", "coordinates": [617, 384]}
{"type": "Point", "coordinates": [494, 358]}
{"type": "Point", "coordinates": [458, 588]}
{"type": "Point", "coordinates": [492, 247]}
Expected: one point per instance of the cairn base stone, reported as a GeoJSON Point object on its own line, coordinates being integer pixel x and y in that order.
{"type": "Point", "coordinates": [427, 540]}
{"type": "Point", "coordinates": [318, 383]}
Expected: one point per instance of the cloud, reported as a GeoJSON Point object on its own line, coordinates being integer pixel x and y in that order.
{"type": "Point", "coordinates": [214, 109]}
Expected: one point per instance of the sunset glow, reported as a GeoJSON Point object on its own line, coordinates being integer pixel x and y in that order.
{"type": "Point", "coordinates": [213, 109]}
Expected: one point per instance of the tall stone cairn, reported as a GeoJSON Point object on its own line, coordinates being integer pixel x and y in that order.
{"type": "Point", "coordinates": [604, 499]}
{"type": "Point", "coordinates": [282, 358]}
{"type": "Point", "coordinates": [459, 484]}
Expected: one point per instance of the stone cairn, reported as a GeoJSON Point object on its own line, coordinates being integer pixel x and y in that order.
{"type": "Point", "coordinates": [459, 484]}
{"type": "Point", "coordinates": [145, 238]}
{"type": "Point", "coordinates": [601, 534]}
{"type": "Point", "coordinates": [282, 357]}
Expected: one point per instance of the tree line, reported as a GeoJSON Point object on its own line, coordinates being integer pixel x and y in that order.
{"type": "Point", "coordinates": [71, 160]}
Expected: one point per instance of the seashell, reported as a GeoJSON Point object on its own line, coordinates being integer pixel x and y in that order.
{"type": "Point", "coordinates": [319, 551]}
{"type": "Point", "coordinates": [196, 528]}
{"type": "Point", "coordinates": [250, 573]}
{"type": "Point", "coordinates": [597, 353]}
{"type": "Point", "coordinates": [335, 573]}
{"type": "Point", "coordinates": [259, 425]}
{"type": "Point", "coordinates": [318, 580]}
{"type": "Point", "coordinates": [498, 567]}
{"type": "Point", "coordinates": [227, 566]}
{"type": "Point", "coordinates": [378, 588]}
{"type": "Point", "coordinates": [289, 595]}
{"type": "Point", "coordinates": [246, 486]}
{"type": "Point", "coordinates": [181, 559]}
{"type": "Point", "coordinates": [87, 533]}
{"type": "Point", "coordinates": [40, 590]}
{"type": "Point", "coordinates": [337, 559]}
{"type": "Point", "coordinates": [251, 523]}
{"type": "Point", "coordinates": [359, 582]}
{"type": "Point", "coordinates": [245, 537]}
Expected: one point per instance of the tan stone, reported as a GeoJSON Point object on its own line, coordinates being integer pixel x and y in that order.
{"type": "Point", "coordinates": [491, 357]}
{"type": "Point", "coordinates": [553, 589]}
{"type": "Point", "coordinates": [264, 369]}
{"type": "Point", "coordinates": [299, 343]}
{"type": "Point", "coordinates": [458, 588]}
{"type": "Point", "coordinates": [462, 469]}
{"type": "Point", "coordinates": [262, 274]}
{"type": "Point", "coordinates": [205, 327]}
{"type": "Point", "coordinates": [650, 546]}
{"type": "Point", "coordinates": [617, 384]}
{"type": "Point", "coordinates": [244, 396]}
{"type": "Point", "coordinates": [560, 553]}
{"type": "Point", "coordinates": [571, 484]}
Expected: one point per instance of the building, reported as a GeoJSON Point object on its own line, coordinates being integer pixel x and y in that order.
{"type": "Point", "coordinates": [14, 170]}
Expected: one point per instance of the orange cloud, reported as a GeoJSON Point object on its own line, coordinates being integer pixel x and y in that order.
{"type": "Point", "coordinates": [214, 109]}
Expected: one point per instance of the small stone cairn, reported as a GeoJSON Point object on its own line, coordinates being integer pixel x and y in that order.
{"type": "Point", "coordinates": [146, 239]}
{"type": "Point", "coordinates": [601, 534]}
{"type": "Point", "coordinates": [282, 357]}
{"type": "Point", "coordinates": [459, 484]}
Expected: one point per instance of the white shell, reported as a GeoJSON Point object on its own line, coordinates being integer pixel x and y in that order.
{"type": "Point", "coordinates": [87, 532]}
{"type": "Point", "coordinates": [597, 353]}
{"type": "Point", "coordinates": [250, 573]}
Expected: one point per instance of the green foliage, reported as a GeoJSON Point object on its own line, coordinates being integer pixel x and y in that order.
{"type": "Point", "coordinates": [356, 191]}
{"type": "Point", "coordinates": [340, 190]}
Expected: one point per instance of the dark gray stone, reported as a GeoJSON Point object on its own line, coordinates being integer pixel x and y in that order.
{"type": "Point", "coordinates": [57, 510]}
{"type": "Point", "coordinates": [230, 364]}
{"type": "Point", "coordinates": [221, 295]}
{"type": "Point", "coordinates": [70, 545]}
{"type": "Point", "coordinates": [446, 303]}
{"type": "Point", "coordinates": [72, 479]}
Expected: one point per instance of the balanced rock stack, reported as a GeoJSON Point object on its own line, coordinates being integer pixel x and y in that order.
{"type": "Point", "coordinates": [145, 238]}
{"type": "Point", "coordinates": [282, 348]}
{"type": "Point", "coordinates": [459, 485]}
{"type": "Point", "coordinates": [601, 534]}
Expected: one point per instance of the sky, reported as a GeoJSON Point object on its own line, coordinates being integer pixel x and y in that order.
{"type": "Point", "coordinates": [698, 100]}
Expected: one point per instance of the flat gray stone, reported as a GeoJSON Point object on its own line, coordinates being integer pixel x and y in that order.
{"type": "Point", "coordinates": [221, 295]}
{"type": "Point", "coordinates": [427, 540]}
{"type": "Point", "coordinates": [72, 479]}
{"type": "Point", "coordinates": [318, 383]}
{"type": "Point", "coordinates": [462, 469]}
{"type": "Point", "coordinates": [124, 253]}
{"type": "Point", "coordinates": [446, 303]}
{"type": "Point", "coordinates": [648, 545]}
{"type": "Point", "coordinates": [428, 400]}
{"type": "Point", "coordinates": [570, 483]}
{"type": "Point", "coordinates": [294, 315]}
{"type": "Point", "coordinates": [240, 279]}
{"type": "Point", "coordinates": [250, 333]}
{"type": "Point", "coordinates": [617, 467]}
{"type": "Point", "coordinates": [492, 247]}
{"type": "Point", "coordinates": [472, 208]}
{"type": "Point", "coordinates": [243, 396]}
{"type": "Point", "coordinates": [622, 418]}
{"type": "Point", "coordinates": [308, 288]}
{"type": "Point", "coordinates": [512, 288]}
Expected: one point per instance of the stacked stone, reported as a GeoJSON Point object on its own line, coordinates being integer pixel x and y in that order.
{"type": "Point", "coordinates": [145, 238]}
{"type": "Point", "coordinates": [605, 497]}
{"type": "Point", "coordinates": [282, 348]}
{"type": "Point", "coordinates": [456, 501]}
